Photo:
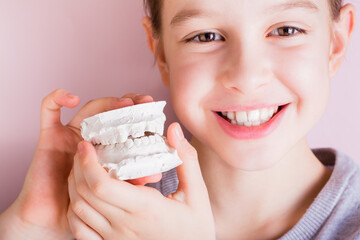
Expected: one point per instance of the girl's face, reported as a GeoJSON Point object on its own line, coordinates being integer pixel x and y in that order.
{"type": "Point", "coordinates": [239, 56]}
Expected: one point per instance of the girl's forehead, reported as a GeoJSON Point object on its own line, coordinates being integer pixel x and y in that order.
{"type": "Point", "coordinates": [175, 12]}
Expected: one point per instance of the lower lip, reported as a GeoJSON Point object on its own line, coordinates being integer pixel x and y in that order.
{"type": "Point", "coordinates": [242, 132]}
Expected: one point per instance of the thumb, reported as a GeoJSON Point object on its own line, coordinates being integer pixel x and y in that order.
{"type": "Point", "coordinates": [191, 187]}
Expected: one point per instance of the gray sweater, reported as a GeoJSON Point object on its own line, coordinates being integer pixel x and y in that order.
{"type": "Point", "coordinates": [334, 213]}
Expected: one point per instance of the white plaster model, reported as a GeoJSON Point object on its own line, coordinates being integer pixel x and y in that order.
{"type": "Point", "coordinates": [129, 141]}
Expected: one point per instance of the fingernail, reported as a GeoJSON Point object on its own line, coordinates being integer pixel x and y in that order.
{"type": "Point", "coordinates": [70, 95]}
{"type": "Point", "coordinates": [178, 131]}
{"type": "Point", "coordinates": [123, 99]}
{"type": "Point", "coordinates": [139, 97]}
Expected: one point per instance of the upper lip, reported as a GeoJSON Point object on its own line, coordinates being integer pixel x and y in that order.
{"type": "Point", "coordinates": [236, 108]}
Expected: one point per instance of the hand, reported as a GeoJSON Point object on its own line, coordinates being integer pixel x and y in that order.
{"type": "Point", "coordinates": [105, 208]}
{"type": "Point", "coordinates": [40, 210]}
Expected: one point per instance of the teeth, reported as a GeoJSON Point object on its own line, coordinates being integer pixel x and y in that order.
{"type": "Point", "coordinates": [264, 113]}
{"type": "Point", "coordinates": [257, 123]}
{"type": "Point", "coordinates": [129, 143]}
{"type": "Point", "coordinates": [145, 140]}
{"type": "Point", "coordinates": [251, 118]}
{"type": "Point", "coordinates": [247, 124]}
{"type": "Point", "coordinates": [137, 132]}
{"type": "Point", "coordinates": [150, 128]}
{"type": "Point", "coordinates": [271, 111]}
{"type": "Point", "coordinates": [231, 115]}
{"type": "Point", "coordinates": [158, 138]}
{"type": "Point", "coordinates": [152, 139]}
{"type": "Point", "coordinates": [159, 129]}
{"type": "Point", "coordinates": [137, 142]}
{"type": "Point", "coordinates": [241, 117]}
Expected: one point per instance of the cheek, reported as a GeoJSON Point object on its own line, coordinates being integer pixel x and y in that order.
{"type": "Point", "coordinates": [304, 72]}
{"type": "Point", "coordinates": [191, 82]}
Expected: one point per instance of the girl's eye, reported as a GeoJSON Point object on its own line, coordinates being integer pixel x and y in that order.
{"type": "Point", "coordinates": [287, 31]}
{"type": "Point", "coordinates": [206, 37]}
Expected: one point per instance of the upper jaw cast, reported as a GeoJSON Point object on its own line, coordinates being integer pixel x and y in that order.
{"type": "Point", "coordinates": [130, 122]}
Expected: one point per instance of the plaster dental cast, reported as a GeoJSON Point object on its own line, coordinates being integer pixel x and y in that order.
{"type": "Point", "coordinates": [129, 141]}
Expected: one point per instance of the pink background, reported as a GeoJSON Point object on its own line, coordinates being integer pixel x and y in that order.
{"type": "Point", "coordinates": [98, 48]}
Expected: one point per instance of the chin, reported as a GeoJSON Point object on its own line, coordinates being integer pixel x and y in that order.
{"type": "Point", "coordinates": [255, 161]}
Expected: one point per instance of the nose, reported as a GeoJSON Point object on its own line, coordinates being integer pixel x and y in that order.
{"type": "Point", "coordinates": [245, 69]}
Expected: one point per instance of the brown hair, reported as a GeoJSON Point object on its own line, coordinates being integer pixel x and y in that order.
{"type": "Point", "coordinates": [335, 6]}
{"type": "Point", "coordinates": [153, 10]}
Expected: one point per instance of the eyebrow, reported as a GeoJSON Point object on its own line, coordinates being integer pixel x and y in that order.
{"type": "Point", "coordinates": [187, 14]}
{"type": "Point", "coordinates": [306, 4]}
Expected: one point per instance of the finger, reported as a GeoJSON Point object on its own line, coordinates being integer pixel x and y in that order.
{"type": "Point", "coordinates": [84, 211]}
{"type": "Point", "coordinates": [98, 106]}
{"type": "Point", "coordinates": [82, 188]}
{"type": "Point", "coordinates": [116, 192]}
{"type": "Point", "coordinates": [139, 99]}
{"type": "Point", "coordinates": [51, 105]}
{"type": "Point", "coordinates": [189, 174]}
{"type": "Point", "coordinates": [130, 95]}
{"type": "Point", "coordinates": [145, 180]}
{"type": "Point", "coordinates": [80, 230]}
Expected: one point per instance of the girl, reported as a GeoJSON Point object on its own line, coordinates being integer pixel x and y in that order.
{"type": "Point", "coordinates": [248, 79]}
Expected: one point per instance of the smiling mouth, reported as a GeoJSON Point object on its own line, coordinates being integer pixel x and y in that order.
{"type": "Point", "coordinates": [251, 118]}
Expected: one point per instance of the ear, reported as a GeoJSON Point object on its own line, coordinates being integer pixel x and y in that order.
{"type": "Point", "coordinates": [155, 46]}
{"type": "Point", "coordinates": [341, 32]}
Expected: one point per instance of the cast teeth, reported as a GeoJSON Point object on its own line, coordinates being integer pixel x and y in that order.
{"type": "Point", "coordinates": [137, 142]}
{"type": "Point", "coordinates": [121, 133]}
{"type": "Point", "coordinates": [251, 118]}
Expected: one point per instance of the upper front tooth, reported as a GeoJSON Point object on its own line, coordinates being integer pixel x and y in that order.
{"type": "Point", "coordinates": [241, 116]}
{"type": "Point", "coordinates": [254, 115]}
{"type": "Point", "coordinates": [257, 115]}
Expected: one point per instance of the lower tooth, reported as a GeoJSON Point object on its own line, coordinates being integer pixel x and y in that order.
{"type": "Point", "coordinates": [240, 123]}
{"type": "Point", "coordinates": [247, 124]}
{"type": "Point", "coordinates": [257, 123]}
